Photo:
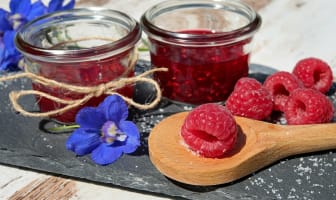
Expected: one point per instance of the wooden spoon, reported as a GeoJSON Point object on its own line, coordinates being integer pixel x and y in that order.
{"type": "Point", "coordinates": [258, 145]}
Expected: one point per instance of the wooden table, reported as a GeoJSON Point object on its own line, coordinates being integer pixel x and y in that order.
{"type": "Point", "coordinates": [291, 30]}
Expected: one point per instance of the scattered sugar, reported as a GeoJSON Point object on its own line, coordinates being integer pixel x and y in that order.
{"type": "Point", "coordinates": [283, 162]}
{"type": "Point", "coordinates": [318, 185]}
{"type": "Point", "coordinates": [298, 181]}
{"type": "Point", "coordinates": [304, 179]}
{"type": "Point", "coordinates": [328, 164]}
{"type": "Point", "coordinates": [187, 108]}
{"type": "Point", "coordinates": [321, 172]}
{"type": "Point", "coordinates": [278, 196]}
{"type": "Point", "coordinates": [292, 194]}
{"type": "Point", "coordinates": [260, 181]}
{"type": "Point", "coordinates": [302, 171]}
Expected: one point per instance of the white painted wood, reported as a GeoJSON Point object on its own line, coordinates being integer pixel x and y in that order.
{"type": "Point", "coordinates": [12, 179]}
{"type": "Point", "coordinates": [291, 30]}
{"type": "Point", "coordinates": [295, 29]}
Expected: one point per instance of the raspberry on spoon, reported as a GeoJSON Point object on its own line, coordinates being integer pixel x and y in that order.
{"type": "Point", "coordinates": [209, 130]}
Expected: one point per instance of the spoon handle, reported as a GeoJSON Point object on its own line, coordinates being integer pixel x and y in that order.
{"type": "Point", "coordinates": [297, 139]}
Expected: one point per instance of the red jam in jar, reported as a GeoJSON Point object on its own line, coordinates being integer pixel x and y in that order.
{"type": "Point", "coordinates": [83, 47]}
{"type": "Point", "coordinates": [205, 44]}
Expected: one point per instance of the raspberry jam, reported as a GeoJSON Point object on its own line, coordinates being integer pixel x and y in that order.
{"type": "Point", "coordinates": [205, 44]}
{"type": "Point", "coordinates": [87, 47]}
{"type": "Point", "coordinates": [85, 73]}
{"type": "Point", "coordinates": [198, 75]}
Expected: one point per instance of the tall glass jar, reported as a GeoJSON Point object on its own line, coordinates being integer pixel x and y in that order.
{"type": "Point", "coordinates": [205, 44]}
{"type": "Point", "coordinates": [83, 47]}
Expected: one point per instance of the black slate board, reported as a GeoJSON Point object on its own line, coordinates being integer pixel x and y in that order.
{"type": "Point", "coordinates": [24, 144]}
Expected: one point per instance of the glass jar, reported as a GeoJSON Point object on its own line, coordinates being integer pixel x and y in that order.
{"type": "Point", "coordinates": [205, 44]}
{"type": "Point", "coordinates": [83, 47]}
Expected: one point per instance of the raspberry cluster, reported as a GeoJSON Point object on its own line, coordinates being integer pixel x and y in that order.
{"type": "Point", "coordinates": [299, 95]}
{"type": "Point", "coordinates": [210, 130]}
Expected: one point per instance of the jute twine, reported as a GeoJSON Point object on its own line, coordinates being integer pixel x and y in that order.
{"type": "Point", "coordinates": [108, 88]}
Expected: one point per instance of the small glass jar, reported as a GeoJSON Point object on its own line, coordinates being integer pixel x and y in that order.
{"type": "Point", "coordinates": [205, 44]}
{"type": "Point", "coordinates": [83, 47]}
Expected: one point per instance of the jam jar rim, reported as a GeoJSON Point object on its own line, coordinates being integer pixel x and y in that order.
{"type": "Point", "coordinates": [235, 35]}
{"type": "Point", "coordinates": [121, 45]}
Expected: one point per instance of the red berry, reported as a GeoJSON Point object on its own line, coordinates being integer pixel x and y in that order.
{"type": "Point", "coordinates": [210, 130]}
{"type": "Point", "coordinates": [308, 106]}
{"type": "Point", "coordinates": [247, 83]}
{"type": "Point", "coordinates": [280, 85]}
{"type": "Point", "coordinates": [314, 73]}
{"type": "Point", "coordinates": [250, 99]}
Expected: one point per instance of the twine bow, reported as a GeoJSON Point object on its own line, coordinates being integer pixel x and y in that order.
{"type": "Point", "coordinates": [108, 88]}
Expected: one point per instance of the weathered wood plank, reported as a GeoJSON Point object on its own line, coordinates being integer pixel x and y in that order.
{"type": "Point", "coordinates": [47, 188]}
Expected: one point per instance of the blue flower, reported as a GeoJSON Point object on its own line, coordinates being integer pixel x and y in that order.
{"type": "Point", "coordinates": [56, 5]}
{"type": "Point", "coordinates": [4, 23]}
{"type": "Point", "coordinates": [104, 132]}
{"type": "Point", "coordinates": [9, 55]}
{"type": "Point", "coordinates": [21, 12]}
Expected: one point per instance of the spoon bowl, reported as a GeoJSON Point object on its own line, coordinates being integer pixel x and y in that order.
{"type": "Point", "coordinates": [258, 145]}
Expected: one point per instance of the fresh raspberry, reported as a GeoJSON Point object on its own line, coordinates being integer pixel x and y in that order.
{"type": "Point", "coordinates": [308, 106]}
{"type": "Point", "coordinates": [210, 130]}
{"type": "Point", "coordinates": [280, 85]}
{"type": "Point", "coordinates": [250, 99]}
{"type": "Point", "coordinates": [247, 83]}
{"type": "Point", "coordinates": [314, 73]}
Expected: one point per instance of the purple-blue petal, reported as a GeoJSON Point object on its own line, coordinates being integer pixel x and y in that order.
{"type": "Point", "coordinates": [20, 7]}
{"type": "Point", "coordinates": [133, 136]}
{"type": "Point", "coordinates": [115, 108]}
{"type": "Point", "coordinates": [2, 57]}
{"type": "Point", "coordinates": [2, 50]}
{"type": "Point", "coordinates": [55, 5]}
{"type": "Point", "coordinates": [9, 55]}
{"type": "Point", "coordinates": [90, 117]}
{"type": "Point", "coordinates": [83, 141]}
{"type": "Point", "coordinates": [4, 23]}
{"type": "Point", "coordinates": [37, 9]}
{"type": "Point", "coordinates": [6, 65]}
{"type": "Point", "coordinates": [106, 154]}
{"type": "Point", "coordinates": [70, 5]}
{"type": "Point", "coordinates": [8, 39]}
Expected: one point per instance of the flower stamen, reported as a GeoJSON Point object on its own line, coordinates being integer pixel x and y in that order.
{"type": "Point", "coordinates": [17, 21]}
{"type": "Point", "coordinates": [111, 133]}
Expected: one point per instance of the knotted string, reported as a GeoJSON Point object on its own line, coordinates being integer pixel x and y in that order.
{"type": "Point", "coordinates": [108, 88]}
